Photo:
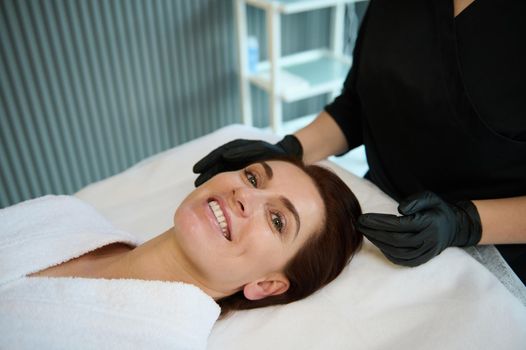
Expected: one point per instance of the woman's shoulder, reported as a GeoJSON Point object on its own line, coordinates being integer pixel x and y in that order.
{"type": "Point", "coordinates": [47, 202]}
{"type": "Point", "coordinates": [45, 231]}
{"type": "Point", "coordinates": [50, 210]}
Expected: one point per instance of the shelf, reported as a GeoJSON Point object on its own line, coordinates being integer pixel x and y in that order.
{"type": "Point", "coordinates": [294, 77]}
{"type": "Point", "coordinates": [305, 74]}
{"type": "Point", "coordinates": [295, 6]}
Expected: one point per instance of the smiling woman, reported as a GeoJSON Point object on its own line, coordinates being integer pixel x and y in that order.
{"type": "Point", "coordinates": [289, 230]}
{"type": "Point", "coordinates": [270, 210]}
{"type": "Point", "coordinates": [271, 233]}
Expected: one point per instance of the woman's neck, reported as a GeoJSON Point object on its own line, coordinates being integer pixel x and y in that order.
{"type": "Point", "coordinates": [157, 259]}
{"type": "Point", "coordinates": [161, 259]}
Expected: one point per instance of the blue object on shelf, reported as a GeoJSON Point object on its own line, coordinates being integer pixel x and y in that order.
{"type": "Point", "coordinates": [253, 54]}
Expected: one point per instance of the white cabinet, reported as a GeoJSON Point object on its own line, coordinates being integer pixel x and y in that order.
{"type": "Point", "coordinates": [294, 77]}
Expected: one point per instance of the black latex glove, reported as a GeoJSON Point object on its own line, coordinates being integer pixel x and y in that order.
{"type": "Point", "coordinates": [239, 153]}
{"type": "Point", "coordinates": [428, 225]}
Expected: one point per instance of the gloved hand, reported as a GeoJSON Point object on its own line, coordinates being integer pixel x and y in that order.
{"type": "Point", "coordinates": [428, 225]}
{"type": "Point", "coordinates": [239, 153]}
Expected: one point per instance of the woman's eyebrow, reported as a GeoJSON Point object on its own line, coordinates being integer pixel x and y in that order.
{"type": "Point", "coordinates": [268, 169]}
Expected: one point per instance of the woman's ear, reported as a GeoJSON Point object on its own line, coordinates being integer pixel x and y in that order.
{"type": "Point", "coordinates": [272, 285]}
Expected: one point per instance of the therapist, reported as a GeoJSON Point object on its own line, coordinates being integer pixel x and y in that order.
{"type": "Point", "coordinates": [437, 94]}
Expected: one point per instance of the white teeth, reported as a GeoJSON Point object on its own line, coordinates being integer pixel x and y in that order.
{"type": "Point", "coordinates": [220, 217]}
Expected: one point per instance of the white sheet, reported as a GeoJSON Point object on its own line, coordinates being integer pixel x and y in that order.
{"type": "Point", "coordinates": [452, 302]}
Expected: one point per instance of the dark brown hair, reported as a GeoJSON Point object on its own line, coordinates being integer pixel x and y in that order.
{"type": "Point", "coordinates": [325, 254]}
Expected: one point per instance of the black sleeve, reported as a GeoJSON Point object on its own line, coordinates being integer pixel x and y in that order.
{"type": "Point", "coordinates": [345, 109]}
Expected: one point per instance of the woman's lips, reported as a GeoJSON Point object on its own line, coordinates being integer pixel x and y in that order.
{"type": "Point", "coordinates": [222, 215]}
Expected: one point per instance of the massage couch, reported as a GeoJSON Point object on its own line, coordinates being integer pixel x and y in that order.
{"type": "Point", "coordinates": [462, 299]}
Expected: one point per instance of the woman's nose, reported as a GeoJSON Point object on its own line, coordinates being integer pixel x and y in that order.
{"type": "Point", "coordinates": [246, 200]}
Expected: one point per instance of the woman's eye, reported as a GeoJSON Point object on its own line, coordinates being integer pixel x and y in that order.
{"type": "Point", "coordinates": [251, 178]}
{"type": "Point", "coordinates": [277, 221]}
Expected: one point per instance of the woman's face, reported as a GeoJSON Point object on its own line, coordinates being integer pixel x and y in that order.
{"type": "Point", "coordinates": [242, 227]}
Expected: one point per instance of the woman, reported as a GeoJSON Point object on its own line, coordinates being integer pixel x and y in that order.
{"type": "Point", "coordinates": [246, 239]}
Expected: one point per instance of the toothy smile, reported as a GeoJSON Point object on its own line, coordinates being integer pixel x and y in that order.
{"type": "Point", "coordinates": [220, 217]}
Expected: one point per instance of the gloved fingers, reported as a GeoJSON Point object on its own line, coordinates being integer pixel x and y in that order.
{"type": "Point", "coordinates": [292, 146]}
{"type": "Point", "coordinates": [385, 248]}
{"type": "Point", "coordinates": [407, 263]}
{"type": "Point", "coordinates": [413, 258]}
{"type": "Point", "coordinates": [215, 155]}
{"type": "Point", "coordinates": [398, 253]}
{"type": "Point", "coordinates": [386, 222]}
{"type": "Point", "coordinates": [418, 202]}
{"type": "Point", "coordinates": [208, 174]}
{"type": "Point", "coordinates": [393, 239]}
{"type": "Point", "coordinates": [392, 223]}
{"type": "Point", "coordinates": [422, 258]}
{"type": "Point", "coordinates": [205, 162]}
{"type": "Point", "coordinates": [252, 151]}
{"type": "Point", "coordinates": [202, 178]}
{"type": "Point", "coordinates": [240, 162]}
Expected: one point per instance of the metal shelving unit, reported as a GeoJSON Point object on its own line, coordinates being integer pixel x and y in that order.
{"type": "Point", "coordinates": [294, 77]}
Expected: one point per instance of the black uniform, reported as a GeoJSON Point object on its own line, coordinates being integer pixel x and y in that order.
{"type": "Point", "coordinates": [440, 102]}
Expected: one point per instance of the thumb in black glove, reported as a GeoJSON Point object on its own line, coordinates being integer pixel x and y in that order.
{"type": "Point", "coordinates": [239, 153]}
{"type": "Point", "coordinates": [428, 225]}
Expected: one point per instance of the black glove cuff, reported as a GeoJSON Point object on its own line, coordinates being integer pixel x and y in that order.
{"type": "Point", "coordinates": [292, 146]}
{"type": "Point", "coordinates": [472, 228]}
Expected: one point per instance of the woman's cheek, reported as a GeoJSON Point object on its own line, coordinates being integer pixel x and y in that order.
{"type": "Point", "coordinates": [187, 222]}
{"type": "Point", "coordinates": [269, 254]}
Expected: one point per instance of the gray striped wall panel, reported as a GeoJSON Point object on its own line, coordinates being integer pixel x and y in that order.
{"type": "Point", "coordinates": [90, 87]}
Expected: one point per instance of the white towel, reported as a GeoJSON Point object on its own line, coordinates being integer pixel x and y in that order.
{"type": "Point", "coordinates": [62, 227]}
{"type": "Point", "coordinates": [82, 313]}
